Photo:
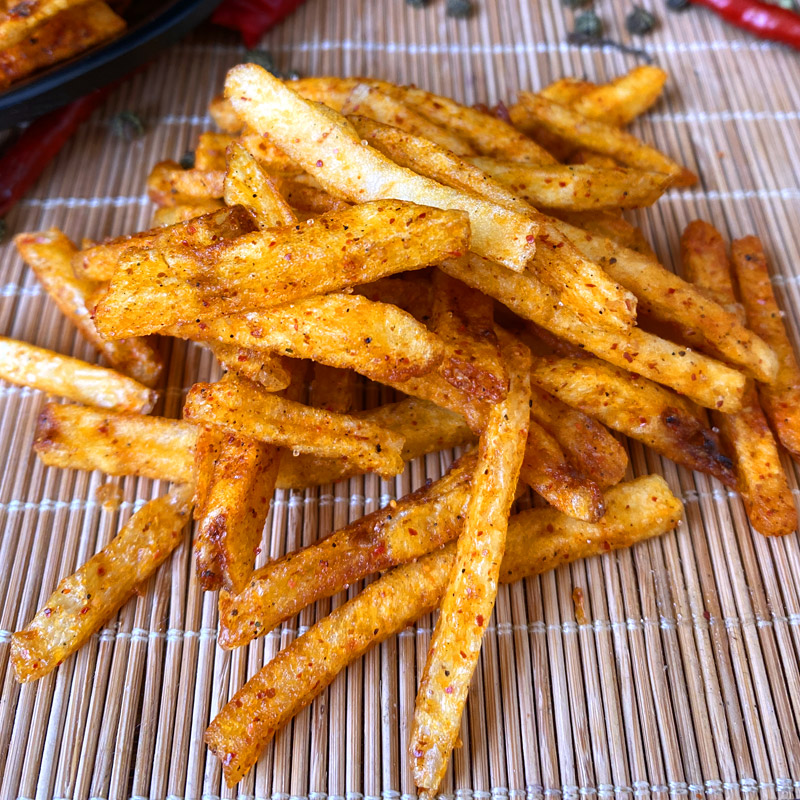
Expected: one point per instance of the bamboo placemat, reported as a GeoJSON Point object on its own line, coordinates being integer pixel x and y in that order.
{"type": "Point", "coordinates": [683, 680]}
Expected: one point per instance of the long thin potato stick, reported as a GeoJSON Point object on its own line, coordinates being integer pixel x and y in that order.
{"type": "Point", "coordinates": [327, 147]}
{"type": "Point", "coordinates": [241, 407]}
{"type": "Point", "coordinates": [781, 401]}
{"type": "Point", "coordinates": [78, 437]}
{"type": "Point", "coordinates": [623, 99]}
{"type": "Point", "coordinates": [26, 365]}
{"type": "Point", "coordinates": [470, 595]}
{"type": "Point", "coordinates": [261, 367]}
{"type": "Point", "coordinates": [83, 601]}
{"type": "Point", "coordinates": [417, 524]}
{"type": "Point", "coordinates": [707, 381]}
{"type": "Point", "coordinates": [538, 540]}
{"type": "Point", "coordinates": [761, 480]}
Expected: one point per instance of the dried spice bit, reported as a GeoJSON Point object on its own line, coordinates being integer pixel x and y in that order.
{"type": "Point", "coordinates": [264, 59]}
{"type": "Point", "coordinates": [640, 21]}
{"type": "Point", "coordinates": [588, 25]}
{"type": "Point", "coordinates": [126, 125]}
{"type": "Point", "coordinates": [459, 9]}
{"type": "Point", "coordinates": [579, 39]}
{"type": "Point", "coordinates": [187, 160]}
{"type": "Point", "coordinates": [417, 3]}
{"type": "Point", "coordinates": [678, 5]}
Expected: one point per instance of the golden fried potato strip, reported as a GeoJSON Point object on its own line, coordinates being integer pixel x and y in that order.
{"type": "Point", "coordinates": [415, 525]}
{"type": "Point", "coordinates": [707, 381]}
{"type": "Point", "coordinates": [83, 601]}
{"type": "Point", "coordinates": [347, 331]}
{"type": "Point", "coordinates": [537, 540]}
{"type": "Point", "coordinates": [172, 215]}
{"type": "Point", "coordinates": [247, 184]}
{"type": "Point", "coordinates": [49, 254]}
{"type": "Point", "coordinates": [469, 598]}
{"type": "Point", "coordinates": [577, 187]}
{"type": "Point", "coordinates": [781, 400]}
{"type": "Point", "coordinates": [333, 389]}
{"type": "Point", "coordinates": [261, 367]}
{"type": "Point", "coordinates": [175, 282]}
{"type": "Point", "coordinates": [235, 509]}
{"type": "Point", "coordinates": [761, 480]}
{"type": "Point", "coordinates": [633, 405]}
{"type": "Point", "coordinates": [327, 147]}
{"type": "Point", "coordinates": [240, 407]}
{"type": "Point", "coordinates": [587, 443]}
{"type": "Point", "coordinates": [603, 138]}
{"type": "Point", "coordinates": [24, 364]}
{"type": "Point", "coordinates": [79, 437]}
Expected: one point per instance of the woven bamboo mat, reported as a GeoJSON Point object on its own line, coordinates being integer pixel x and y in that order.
{"type": "Point", "coordinates": [684, 679]}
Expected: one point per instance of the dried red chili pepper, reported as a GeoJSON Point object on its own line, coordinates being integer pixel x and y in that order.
{"type": "Point", "coordinates": [762, 19]}
{"type": "Point", "coordinates": [252, 18]}
{"type": "Point", "coordinates": [23, 162]}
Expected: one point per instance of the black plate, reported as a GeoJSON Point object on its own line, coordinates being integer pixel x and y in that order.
{"type": "Point", "coordinates": [152, 25]}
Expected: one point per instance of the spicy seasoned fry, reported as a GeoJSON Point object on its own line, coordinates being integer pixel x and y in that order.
{"type": "Point", "coordinates": [537, 540]}
{"type": "Point", "coordinates": [469, 598]}
{"type": "Point", "coordinates": [241, 407]}
{"type": "Point", "coordinates": [327, 147]}
{"type": "Point", "coordinates": [637, 407]}
{"type": "Point", "coordinates": [49, 254]}
{"type": "Point", "coordinates": [26, 365]}
{"type": "Point", "coordinates": [781, 400]}
{"type": "Point", "coordinates": [347, 331]}
{"type": "Point", "coordinates": [79, 437]}
{"type": "Point", "coordinates": [83, 601]}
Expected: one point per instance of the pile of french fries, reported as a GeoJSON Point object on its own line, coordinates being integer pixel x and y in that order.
{"type": "Point", "coordinates": [34, 36]}
{"type": "Point", "coordinates": [339, 231]}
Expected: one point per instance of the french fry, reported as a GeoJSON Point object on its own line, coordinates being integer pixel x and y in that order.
{"type": "Point", "coordinates": [566, 91]}
{"type": "Point", "coordinates": [100, 261]}
{"type": "Point", "coordinates": [268, 155]}
{"type": "Point", "coordinates": [155, 289]}
{"type": "Point", "coordinates": [234, 512]}
{"type": "Point", "coordinates": [603, 138]}
{"type": "Point", "coordinates": [415, 525]}
{"type": "Point", "coordinates": [623, 99]}
{"type": "Point", "coordinates": [78, 437]}
{"type": "Point", "coordinates": [761, 480]}
{"type": "Point", "coordinates": [83, 601]}
{"type": "Point", "coordinates": [469, 598]}
{"type": "Point", "coordinates": [247, 184]}
{"type": "Point", "coordinates": [327, 147]}
{"type": "Point", "coordinates": [706, 381]}
{"type": "Point", "coordinates": [172, 215]}
{"type": "Point", "coordinates": [210, 151]}
{"type": "Point", "coordinates": [464, 318]}
{"type": "Point", "coordinates": [261, 367]}
{"type": "Point", "coordinates": [370, 101]}
{"type": "Point", "coordinates": [637, 407]}
{"type": "Point", "coordinates": [426, 427]}
{"type": "Point", "coordinates": [377, 340]}
{"type": "Point", "coordinates": [240, 407]}
{"type": "Point", "coordinates": [16, 22]}
{"type": "Point", "coordinates": [206, 452]}
{"type": "Point", "coordinates": [781, 400]}
{"type": "Point", "coordinates": [169, 184]}
{"type": "Point", "coordinates": [587, 444]}
{"type": "Point", "coordinates": [49, 254]}
{"type": "Point", "coordinates": [57, 38]}
{"type": "Point", "coordinates": [577, 187]}
{"type": "Point", "coordinates": [546, 470]}
{"type": "Point", "coordinates": [538, 540]}
{"type": "Point", "coordinates": [581, 284]}
{"type": "Point", "coordinates": [24, 364]}
{"type": "Point", "coordinates": [671, 299]}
